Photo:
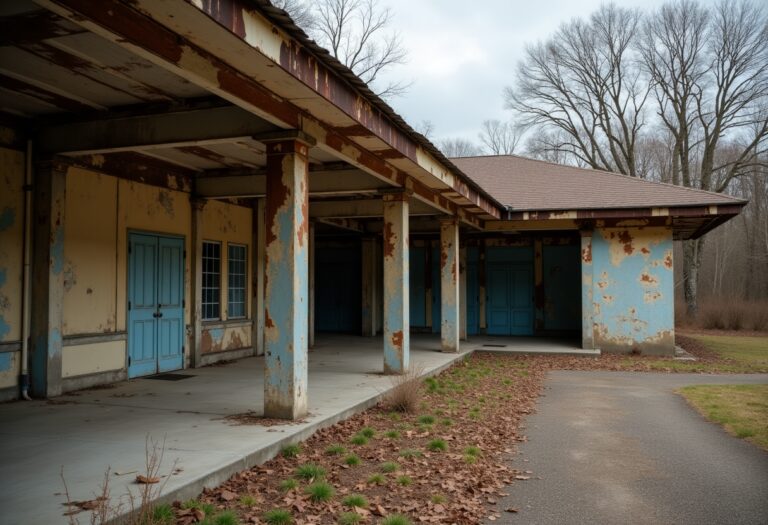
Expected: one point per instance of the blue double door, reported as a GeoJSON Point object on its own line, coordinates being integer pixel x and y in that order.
{"type": "Point", "coordinates": [510, 299]}
{"type": "Point", "coordinates": [155, 304]}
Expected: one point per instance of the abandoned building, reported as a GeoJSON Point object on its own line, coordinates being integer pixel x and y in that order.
{"type": "Point", "coordinates": [185, 182]}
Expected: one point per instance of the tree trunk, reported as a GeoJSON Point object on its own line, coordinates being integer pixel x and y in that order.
{"type": "Point", "coordinates": [692, 252]}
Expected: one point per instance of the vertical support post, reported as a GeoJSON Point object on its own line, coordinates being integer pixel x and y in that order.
{"type": "Point", "coordinates": [539, 297]}
{"type": "Point", "coordinates": [311, 285]}
{"type": "Point", "coordinates": [449, 285]}
{"type": "Point", "coordinates": [396, 296]}
{"type": "Point", "coordinates": [286, 279]}
{"type": "Point", "coordinates": [369, 302]}
{"type": "Point", "coordinates": [587, 304]}
{"type": "Point", "coordinates": [48, 279]}
{"type": "Point", "coordinates": [463, 293]}
{"type": "Point", "coordinates": [196, 260]}
{"type": "Point", "coordinates": [257, 282]}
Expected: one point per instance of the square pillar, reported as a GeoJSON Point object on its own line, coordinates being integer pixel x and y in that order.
{"type": "Point", "coordinates": [311, 285]}
{"type": "Point", "coordinates": [396, 294]}
{"type": "Point", "coordinates": [463, 293]}
{"type": "Point", "coordinates": [539, 297]}
{"type": "Point", "coordinates": [286, 277]}
{"type": "Point", "coordinates": [47, 290]}
{"type": "Point", "coordinates": [449, 285]}
{"type": "Point", "coordinates": [257, 282]}
{"type": "Point", "coordinates": [369, 299]}
{"type": "Point", "coordinates": [196, 249]}
{"type": "Point", "coordinates": [587, 305]}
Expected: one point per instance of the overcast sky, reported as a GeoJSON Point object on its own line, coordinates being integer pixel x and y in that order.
{"type": "Point", "coordinates": [461, 55]}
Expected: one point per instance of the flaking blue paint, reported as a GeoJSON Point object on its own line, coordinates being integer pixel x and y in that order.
{"type": "Point", "coordinates": [217, 334]}
{"type": "Point", "coordinates": [5, 361]}
{"type": "Point", "coordinates": [633, 289]}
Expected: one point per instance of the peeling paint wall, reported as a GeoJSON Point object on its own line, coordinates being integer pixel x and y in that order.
{"type": "Point", "coordinates": [223, 337]}
{"type": "Point", "coordinates": [11, 261]}
{"type": "Point", "coordinates": [633, 290]}
{"type": "Point", "coordinates": [228, 223]}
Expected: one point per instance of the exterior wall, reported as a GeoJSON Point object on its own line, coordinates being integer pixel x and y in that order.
{"type": "Point", "coordinates": [11, 262]}
{"type": "Point", "coordinates": [228, 223]}
{"type": "Point", "coordinates": [633, 290]}
{"type": "Point", "coordinates": [101, 210]}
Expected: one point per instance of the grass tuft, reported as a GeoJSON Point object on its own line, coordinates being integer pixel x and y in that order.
{"type": "Point", "coordinates": [309, 471]}
{"type": "Point", "coordinates": [437, 499]}
{"type": "Point", "coordinates": [335, 450]}
{"type": "Point", "coordinates": [426, 420]}
{"type": "Point", "coordinates": [392, 434]}
{"type": "Point", "coordinates": [288, 484]}
{"type": "Point", "coordinates": [352, 460]}
{"type": "Point", "coordinates": [376, 479]}
{"type": "Point", "coordinates": [389, 466]}
{"type": "Point", "coordinates": [404, 480]}
{"type": "Point", "coordinates": [227, 517]}
{"type": "Point", "coordinates": [368, 432]}
{"type": "Point", "coordinates": [278, 517]}
{"type": "Point", "coordinates": [163, 515]}
{"type": "Point", "coordinates": [349, 518]}
{"type": "Point", "coordinates": [472, 451]}
{"type": "Point", "coordinates": [396, 519]}
{"type": "Point", "coordinates": [437, 445]}
{"type": "Point", "coordinates": [405, 393]}
{"type": "Point", "coordinates": [356, 500]}
{"type": "Point", "coordinates": [291, 451]}
{"type": "Point", "coordinates": [320, 491]}
{"type": "Point", "coordinates": [247, 501]}
{"type": "Point", "coordinates": [410, 453]}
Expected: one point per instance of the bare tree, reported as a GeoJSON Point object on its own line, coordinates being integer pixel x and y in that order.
{"type": "Point", "coordinates": [710, 75]}
{"type": "Point", "coordinates": [301, 13]}
{"type": "Point", "coordinates": [500, 138]}
{"type": "Point", "coordinates": [459, 148]}
{"type": "Point", "coordinates": [584, 82]}
{"type": "Point", "coordinates": [426, 128]}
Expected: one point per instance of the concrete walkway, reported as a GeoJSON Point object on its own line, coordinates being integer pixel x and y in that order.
{"type": "Point", "coordinates": [610, 447]}
{"type": "Point", "coordinates": [97, 429]}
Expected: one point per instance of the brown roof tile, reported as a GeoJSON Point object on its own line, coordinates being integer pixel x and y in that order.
{"type": "Point", "coordinates": [529, 184]}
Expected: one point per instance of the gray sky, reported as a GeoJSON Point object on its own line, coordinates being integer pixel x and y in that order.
{"type": "Point", "coordinates": [461, 54]}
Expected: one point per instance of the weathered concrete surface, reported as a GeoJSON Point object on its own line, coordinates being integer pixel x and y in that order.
{"type": "Point", "coordinates": [614, 447]}
{"type": "Point", "coordinates": [396, 282]}
{"type": "Point", "coordinates": [89, 432]}
{"type": "Point", "coordinates": [449, 285]}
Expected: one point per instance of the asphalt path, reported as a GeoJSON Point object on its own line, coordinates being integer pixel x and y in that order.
{"type": "Point", "coordinates": [624, 448]}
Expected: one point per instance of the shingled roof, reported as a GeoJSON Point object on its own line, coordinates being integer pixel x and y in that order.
{"type": "Point", "coordinates": [525, 184]}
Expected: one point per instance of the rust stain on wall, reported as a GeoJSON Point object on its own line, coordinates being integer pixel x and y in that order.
{"type": "Point", "coordinates": [646, 279]}
{"type": "Point", "coordinates": [389, 240]}
{"type": "Point", "coordinates": [397, 339]}
{"type": "Point", "coordinates": [586, 254]}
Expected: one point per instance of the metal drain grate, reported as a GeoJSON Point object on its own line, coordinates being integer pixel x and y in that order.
{"type": "Point", "coordinates": [496, 346]}
{"type": "Point", "coordinates": [170, 377]}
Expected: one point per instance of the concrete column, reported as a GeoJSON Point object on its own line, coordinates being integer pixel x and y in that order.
{"type": "Point", "coordinates": [396, 297]}
{"type": "Point", "coordinates": [257, 281]}
{"type": "Point", "coordinates": [286, 280]}
{"type": "Point", "coordinates": [587, 305]}
{"type": "Point", "coordinates": [369, 300]}
{"type": "Point", "coordinates": [196, 263]}
{"type": "Point", "coordinates": [481, 287]}
{"type": "Point", "coordinates": [311, 285]}
{"type": "Point", "coordinates": [463, 293]}
{"type": "Point", "coordinates": [47, 279]}
{"type": "Point", "coordinates": [449, 285]}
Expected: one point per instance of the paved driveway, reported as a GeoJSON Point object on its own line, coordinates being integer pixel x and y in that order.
{"type": "Point", "coordinates": [615, 447]}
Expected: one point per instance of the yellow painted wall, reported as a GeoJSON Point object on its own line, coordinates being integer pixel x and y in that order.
{"type": "Point", "coordinates": [10, 369]}
{"type": "Point", "coordinates": [11, 242]}
{"type": "Point", "coordinates": [227, 223]}
{"type": "Point", "coordinates": [90, 270]}
{"type": "Point", "coordinates": [92, 358]}
{"type": "Point", "coordinates": [101, 211]}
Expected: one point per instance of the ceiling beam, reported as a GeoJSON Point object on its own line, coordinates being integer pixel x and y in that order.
{"type": "Point", "coordinates": [360, 208]}
{"type": "Point", "coordinates": [188, 128]}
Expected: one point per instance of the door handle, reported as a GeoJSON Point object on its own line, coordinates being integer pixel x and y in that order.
{"type": "Point", "coordinates": [157, 315]}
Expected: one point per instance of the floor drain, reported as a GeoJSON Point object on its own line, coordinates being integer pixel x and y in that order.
{"type": "Point", "coordinates": [170, 377]}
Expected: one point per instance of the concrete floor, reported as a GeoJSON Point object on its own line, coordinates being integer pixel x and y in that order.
{"type": "Point", "coordinates": [93, 430]}
{"type": "Point", "coordinates": [617, 447]}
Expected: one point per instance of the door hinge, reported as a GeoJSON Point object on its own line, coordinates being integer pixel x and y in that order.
{"type": "Point", "coordinates": [185, 254]}
{"type": "Point", "coordinates": [183, 303]}
{"type": "Point", "coordinates": [129, 305]}
{"type": "Point", "coordinates": [130, 247]}
{"type": "Point", "coordinates": [183, 351]}
{"type": "Point", "coordinates": [129, 360]}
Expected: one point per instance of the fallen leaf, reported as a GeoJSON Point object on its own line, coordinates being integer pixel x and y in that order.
{"type": "Point", "coordinates": [146, 480]}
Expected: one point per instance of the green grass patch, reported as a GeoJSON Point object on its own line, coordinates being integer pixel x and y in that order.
{"type": "Point", "coordinates": [359, 439]}
{"type": "Point", "coordinates": [278, 517]}
{"type": "Point", "coordinates": [291, 451]}
{"type": "Point", "coordinates": [396, 519]}
{"type": "Point", "coordinates": [409, 453]}
{"type": "Point", "coordinates": [472, 451]}
{"type": "Point", "coordinates": [247, 501]}
{"type": "Point", "coordinates": [163, 515]}
{"type": "Point", "coordinates": [404, 480]}
{"type": "Point", "coordinates": [741, 409]}
{"type": "Point", "coordinates": [749, 352]}
{"type": "Point", "coordinates": [288, 484]}
{"type": "Point", "coordinates": [320, 491]}
{"type": "Point", "coordinates": [227, 517]}
{"type": "Point", "coordinates": [437, 445]}
{"type": "Point", "coordinates": [356, 500]}
{"type": "Point", "coordinates": [376, 479]}
{"type": "Point", "coordinates": [389, 466]}
{"type": "Point", "coordinates": [392, 434]}
{"type": "Point", "coordinates": [437, 499]}
{"type": "Point", "coordinates": [426, 420]}
{"type": "Point", "coordinates": [310, 471]}
{"type": "Point", "coordinates": [352, 460]}
{"type": "Point", "coordinates": [335, 450]}
{"type": "Point", "coordinates": [368, 432]}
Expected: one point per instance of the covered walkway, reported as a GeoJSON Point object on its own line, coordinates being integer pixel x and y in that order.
{"type": "Point", "coordinates": [89, 431]}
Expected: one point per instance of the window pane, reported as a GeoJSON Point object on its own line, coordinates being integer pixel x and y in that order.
{"type": "Point", "coordinates": [211, 285]}
{"type": "Point", "coordinates": [237, 273]}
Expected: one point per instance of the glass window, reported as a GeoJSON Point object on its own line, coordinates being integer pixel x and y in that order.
{"type": "Point", "coordinates": [237, 274]}
{"type": "Point", "coordinates": [211, 280]}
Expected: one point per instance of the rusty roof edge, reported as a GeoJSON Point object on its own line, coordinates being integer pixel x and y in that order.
{"type": "Point", "coordinates": [282, 19]}
{"type": "Point", "coordinates": [722, 209]}
{"type": "Point", "coordinates": [702, 204]}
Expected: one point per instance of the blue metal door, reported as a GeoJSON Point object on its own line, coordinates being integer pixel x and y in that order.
{"type": "Point", "coordinates": [510, 299]}
{"type": "Point", "coordinates": [155, 304]}
{"type": "Point", "coordinates": [473, 293]}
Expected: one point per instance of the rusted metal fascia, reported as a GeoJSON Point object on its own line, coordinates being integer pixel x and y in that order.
{"type": "Point", "coordinates": [314, 67]}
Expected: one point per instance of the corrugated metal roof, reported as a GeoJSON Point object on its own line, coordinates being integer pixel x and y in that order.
{"type": "Point", "coordinates": [526, 184]}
